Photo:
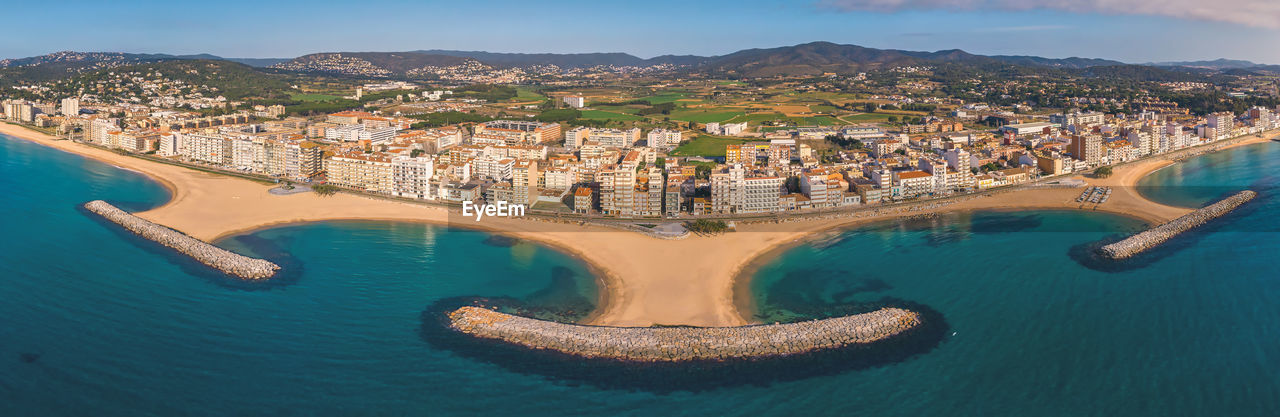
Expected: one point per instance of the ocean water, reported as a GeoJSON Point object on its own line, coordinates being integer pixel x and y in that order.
{"type": "Point", "coordinates": [95, 323]}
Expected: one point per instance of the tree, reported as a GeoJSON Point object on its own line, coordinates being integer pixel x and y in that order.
{"type": "Point", "coordinates": [710, 227]}
{"type": "Point", "coordinates": [1102, 172]}
{"type": "Point", "coordinates": [325, 190]}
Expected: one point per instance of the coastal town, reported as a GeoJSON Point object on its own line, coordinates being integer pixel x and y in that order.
{"type": "Point", "coordinates": [644, 168]}
{"type": "Point", "coordinates": [960, 208]}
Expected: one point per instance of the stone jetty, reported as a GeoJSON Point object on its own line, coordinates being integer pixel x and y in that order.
{"type": "Point", "coordinates": [1154, 237]}
{"type": "Point", "coordinates": [221, 259]}
{"type": "Point", "coordinates": [681, 344]}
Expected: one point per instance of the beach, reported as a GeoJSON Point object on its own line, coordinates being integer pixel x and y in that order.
{"type": "Point", "coordinates": [644, 281]}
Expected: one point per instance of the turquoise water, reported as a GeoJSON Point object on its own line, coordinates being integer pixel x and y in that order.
{"type": "Point", "coordinates": [92, 323]}
{"type": "Point", "coordinates": [1204, 179]}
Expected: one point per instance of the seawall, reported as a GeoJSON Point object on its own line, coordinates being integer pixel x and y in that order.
{"type": "Point", "coordinates": [221, 259]}
{"type": "Point", "coordinates": [681, 344]}
{"type": "Point", "coordinates": [1151, 238]}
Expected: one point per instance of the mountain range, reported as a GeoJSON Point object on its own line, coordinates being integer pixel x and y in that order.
{"type": "Point", "coordinates": [805, 59]}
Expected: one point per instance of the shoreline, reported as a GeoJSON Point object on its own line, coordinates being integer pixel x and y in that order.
{"type": "Point", "coordinates": [744, 300]}
{"type": "Point", "coordinates": [642, 281]}
{"type": "Point", "coordinates": [602, 284]}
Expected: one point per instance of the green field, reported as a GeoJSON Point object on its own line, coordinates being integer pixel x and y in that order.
{"type": "Point", "coordinates": [616, 108]}
{"type": "Point", "coordinates": [704, 116]}
{"type": "Point", "coordinates": [757, 118]}
{"type": "Point", "coordinates": [312, 97]}
{"type": "Point", "coordinates": [822, 108]}
{"type": "Point", "coordinates": [527, 94]}
{"type": "Point", "coordinates": [667, 97]}
{"type": "Point", "coordinates": [867, 118]}
{"type": "Point", "coordinates": [706, 146]}
{"type": "Point", "coordinates": [607, 115]}
{"type": "Point", "coordinates": [816, 121]}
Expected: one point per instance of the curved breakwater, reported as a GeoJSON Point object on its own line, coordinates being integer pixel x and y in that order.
{"type": "Point", "coordinates": [221, 259]}
{"type": "Point", "coordinates": [684, 344]}
{"type": "Point", "coordinates": [1146, 240]}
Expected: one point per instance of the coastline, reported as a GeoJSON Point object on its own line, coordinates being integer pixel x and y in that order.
{"type": "Point", "coordinates": [643, 281]}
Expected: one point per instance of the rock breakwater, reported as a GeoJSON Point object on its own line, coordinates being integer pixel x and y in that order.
{"type": "Point", "coordinates": [683, 344]}
{"type": "Point", "coordinates": [1151, 238]}
{"type": "Point", "coordinates": [221, 259]}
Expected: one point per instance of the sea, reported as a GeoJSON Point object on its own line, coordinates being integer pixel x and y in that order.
{"type": "Point", "coordinates": [1029, 323]}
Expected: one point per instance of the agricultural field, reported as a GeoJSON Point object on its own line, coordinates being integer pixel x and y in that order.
{"type": "Point", "coordinates": [867, 118]}
{"type": "Point", "coordinates": [668, 97]}
{"type": "Point", "coordinates": [816, 121]}
{"type": "Point", "coordinates": [758, 118]}
{"type": "Point", "coordinates": [608, 115]}
{"type": "Point", "coordinates": [704, 116]}
{"type": "Point", "coordinates": [312, 97]}
{"type": "Point", "coordinates": [528, 94]}
{"type": "Point", "coordinates": [707, 146]}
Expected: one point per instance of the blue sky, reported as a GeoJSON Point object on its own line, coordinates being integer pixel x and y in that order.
{"type": "Point", "coordinates": [239, 28]}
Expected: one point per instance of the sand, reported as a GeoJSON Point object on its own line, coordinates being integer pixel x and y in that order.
{"type": "Point", "coordinates": [644, 280]}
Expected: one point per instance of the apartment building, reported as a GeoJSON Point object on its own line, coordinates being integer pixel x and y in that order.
{"type": "Point", "coordinates": [664, 139]}
{"type": "Point", "coordinates": [524, 182]}
{"type": "Point", "coordinates": [521, 132]}
{"type": "Point", "coordinates": [914, 183]}
{"type": "Point", "coordinates": [1088, 147]}
{"type": "Point", "coordinates": [411, 177]}
{"type": "Point", "coordinates": [210, 149]}
{"type": "Point", "coordinates": [727, 190]}
{"type": "Point", "coordinates": [609, 138]}
{"type": "Point", "coordinates": [761, 194]}
{"type": "Point", "coordinates": [365, 172]}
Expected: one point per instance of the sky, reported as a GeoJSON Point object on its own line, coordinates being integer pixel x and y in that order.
{"type": "Point", "coordinates": [1134, 31]}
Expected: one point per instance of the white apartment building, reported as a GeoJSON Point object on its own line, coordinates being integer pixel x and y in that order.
{"type": "Point", "coordinates": [560, 178]}
{"type": "Point", "coordinates": [727, 189]}
{"type": "Point", "coordinates": [168, 145]}
{"type": "Point", "coordinates": [70, 106]}
{"type": "Point", "coordinates": [761, 194]}
{"type": "Point", "coordinates": [353, 133]}
{"type": "Point", "coordinates": [497, 169]}
{"type": "Point", "coordinates": [914, 183]}
{"type": "Point", "coordinates": [665, 139]}
{"type": "Point", "coordinates": [210, 149]}
{"type": "Point", "coordinates": [249, 155]}
{"type": "Point", "coordinates": [726, 129]}
{"type": "Point", "coordinates": [411, 177]}
{"type": "Point", "coordinates": [612, 138]}
{"type": "Point", "coordinates": [343, 133]}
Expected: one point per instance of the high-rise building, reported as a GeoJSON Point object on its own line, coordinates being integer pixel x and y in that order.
{"type": "Point", "coordinates": [70, 106]}
{"type": "Point", "coordinates": [727, 190]}
{"type": "Point", "coordinates": [760, 194]}
{"type": "Point", "coordinates": [411, 177]}
{"type": "Point", "coordinates": [1087, 147]}
{"type": "Point", "coordinates": [524, 182]}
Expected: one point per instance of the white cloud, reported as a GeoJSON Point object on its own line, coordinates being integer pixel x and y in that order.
{"type": "Point", "coordinates": [1256, 13]}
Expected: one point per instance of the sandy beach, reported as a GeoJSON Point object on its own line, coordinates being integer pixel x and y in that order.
{"type": "Point", "coordinates": [644, 280]}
